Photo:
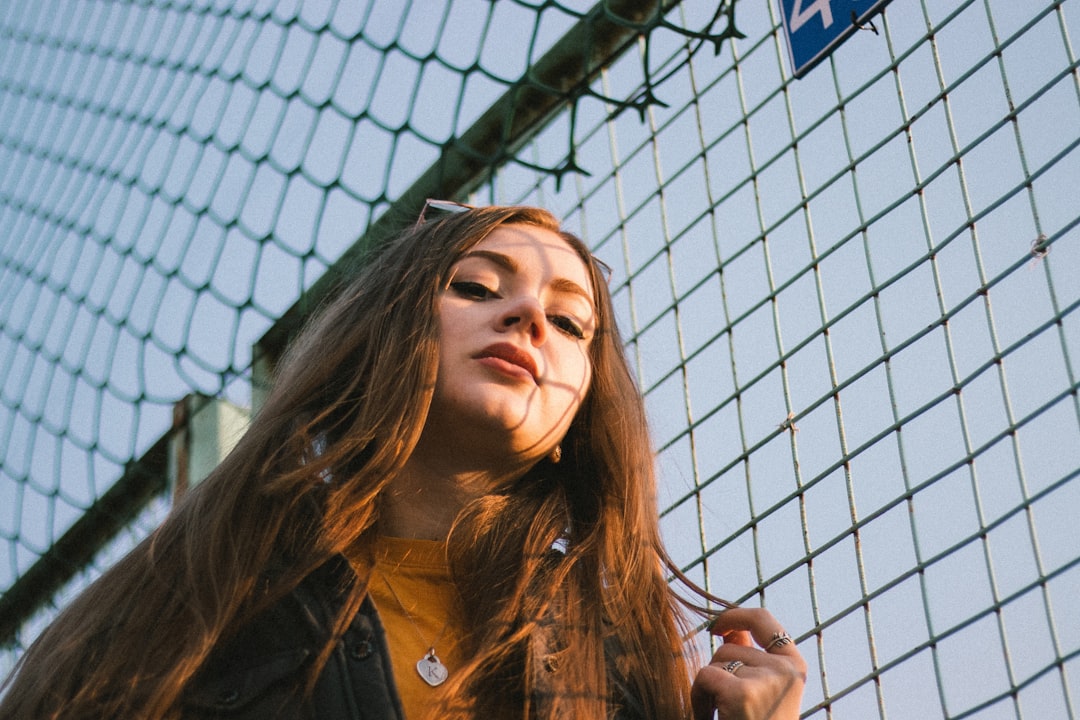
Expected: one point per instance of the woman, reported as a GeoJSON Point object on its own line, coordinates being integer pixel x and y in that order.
{"type": "Point", "coordinates": [444, 509]}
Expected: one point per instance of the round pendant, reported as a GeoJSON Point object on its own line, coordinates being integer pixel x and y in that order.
{"type": "Point", "coordinates": [432, 670]}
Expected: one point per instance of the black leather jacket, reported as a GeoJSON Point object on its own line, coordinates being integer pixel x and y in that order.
{"type": "Point", "coordinates": [260, 673]}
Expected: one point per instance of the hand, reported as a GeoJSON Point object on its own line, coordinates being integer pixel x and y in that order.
{"type": "Point", "coordinates": [744, 682]}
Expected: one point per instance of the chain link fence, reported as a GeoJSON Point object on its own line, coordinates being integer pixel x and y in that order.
{"type": "Point", "coordinates": [849, 298]}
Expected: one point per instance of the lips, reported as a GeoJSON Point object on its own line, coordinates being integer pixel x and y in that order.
{"type": "Point", "coordinates": [511, 354]}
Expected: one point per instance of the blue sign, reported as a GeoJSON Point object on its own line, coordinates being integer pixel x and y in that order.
{"type": "Point", "coordinates": [814, 28]}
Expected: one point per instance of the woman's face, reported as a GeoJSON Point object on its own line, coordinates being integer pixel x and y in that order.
{"type": "Point", "coordinates": [515, 325]}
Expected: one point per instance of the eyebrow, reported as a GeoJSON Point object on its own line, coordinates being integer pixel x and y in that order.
{"type": "Point", "coordinates": [559, 284]}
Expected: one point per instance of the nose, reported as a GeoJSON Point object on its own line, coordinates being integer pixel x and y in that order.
{"type": "Point", "coordinates": [527, 315]}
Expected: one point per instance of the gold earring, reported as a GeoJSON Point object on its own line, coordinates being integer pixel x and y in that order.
{"type": "Point", "coordinates": [555, 455]}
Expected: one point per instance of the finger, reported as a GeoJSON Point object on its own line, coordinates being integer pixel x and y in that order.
{"type": "Point", "coordinates": [767, 633]}
{"type": "Point", "coordinates": [744, 670]}
{"type": "Point", "coordinates": [752, 658]}
{"type": "Point", "coordinates": [738, 637]}
{"type": "Point", "coordinates": [711, 684]}
{"type": "Point", "coordinates": [781, 643]}
{"type": "Point", "coordinates": [735, 638]}
{"type": "Point", "coordinates": [750, 676]}
{"type": "Point", "coordinates": [735, 689]}
{"type": "Point", "coordinates": [758, 622]}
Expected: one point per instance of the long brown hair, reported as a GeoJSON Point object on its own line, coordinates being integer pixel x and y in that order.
{"type": "Point", "coordinates": [544, 627]}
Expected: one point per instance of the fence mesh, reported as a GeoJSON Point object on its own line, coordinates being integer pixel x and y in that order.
{"type": "Point", "coordinates": [849, 298]}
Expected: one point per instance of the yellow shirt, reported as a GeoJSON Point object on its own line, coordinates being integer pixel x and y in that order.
{"type": "Point", "coordinates": [410, 586]}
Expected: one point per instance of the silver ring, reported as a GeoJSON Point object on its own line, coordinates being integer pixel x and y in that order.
{"type": "Point", "coordinates": [733, 666]}
{"type": "Point", "coordinates": [779, 639]}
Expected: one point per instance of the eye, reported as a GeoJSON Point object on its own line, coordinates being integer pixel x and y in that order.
{"type": "Point", "coordinates": [567, 325]}
{"type": "Point", "coordinates": [472, 290]}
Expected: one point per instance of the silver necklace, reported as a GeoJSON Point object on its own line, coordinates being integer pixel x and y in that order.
{"type": "Point", "coordinates": [430, 667]}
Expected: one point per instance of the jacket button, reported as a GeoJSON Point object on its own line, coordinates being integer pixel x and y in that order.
{"type": "Point", "coordinates": [228, 697]}
{"type": "Point", "coordinates": [361, 650]}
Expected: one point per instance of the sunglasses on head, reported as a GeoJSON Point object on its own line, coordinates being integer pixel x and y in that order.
{"type": "Point", "coordinates": [453, 207]}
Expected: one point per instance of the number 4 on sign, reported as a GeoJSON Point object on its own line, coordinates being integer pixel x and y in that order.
{"type": "Point", "coordinates": [800, 16]}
